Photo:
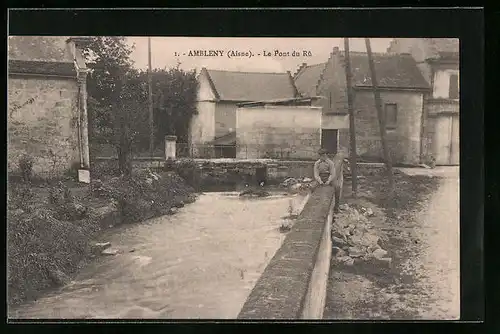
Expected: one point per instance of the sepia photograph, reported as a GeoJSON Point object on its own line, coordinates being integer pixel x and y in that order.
{"type": "Point", "coordinates": [239, 178]}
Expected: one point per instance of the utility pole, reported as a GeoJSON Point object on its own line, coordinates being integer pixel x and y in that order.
{"type": "Point", "coordinates": [150, 97]}
{"type": "Point", "coordinates": [381, 116]}
{"type": "Point", "coordinates": [352, 130]}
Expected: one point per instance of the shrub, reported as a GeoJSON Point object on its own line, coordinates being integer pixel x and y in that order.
{"type": "Point", "coordinates": [39, 248]}
{"type": "Point", "coordinates": [145, 193]}
{"type": "Point", "coordinates": [20, 196]}
{"type": "Point", "coordinates": [188, 170]}
{"type": "Point", "coordinates": [26, 166]}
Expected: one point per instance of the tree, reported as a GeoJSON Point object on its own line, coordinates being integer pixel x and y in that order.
{"type": "Point", "coordinates": [118, 99]}
{"type": "Point", "coordinates": [118, 95]}
{"type": "Point", "coordinates": [108, 59]}
{"type": "Point", "coordinates": [174, 96]}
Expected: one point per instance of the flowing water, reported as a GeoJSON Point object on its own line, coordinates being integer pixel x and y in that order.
{"type": "Point", "coordinates": [199, 263]}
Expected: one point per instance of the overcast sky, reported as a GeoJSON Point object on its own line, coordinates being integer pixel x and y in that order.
{"type": "Point", "coordinates": [167, 51]}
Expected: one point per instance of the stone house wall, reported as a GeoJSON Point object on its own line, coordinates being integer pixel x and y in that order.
{"type": "Point", "coordinates": [290, 132]}
{"type": "Point", "coordinates": [43, 122]}
{"type": "Point", "coordinates": [403, 140]}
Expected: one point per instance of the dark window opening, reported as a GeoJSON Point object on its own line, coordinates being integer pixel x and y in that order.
{"type": "Point", "coordinates": [391, 115]}
{"type": "Point", "coordinates": [329, 140]}
{"type": "Point", "coordinates": [454, 92]}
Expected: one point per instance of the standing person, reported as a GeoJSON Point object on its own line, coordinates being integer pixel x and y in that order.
{"type": "Point", "coordinates": [324, 169]}
{"type": "Point", "coordinates": [330, 172]}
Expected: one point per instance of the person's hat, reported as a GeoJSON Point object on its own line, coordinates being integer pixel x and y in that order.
{"type": "Point", "coordinates": [322, 151]}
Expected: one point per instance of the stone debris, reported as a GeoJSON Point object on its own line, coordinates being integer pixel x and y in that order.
{"type": "Point", "coordinates": [109, 251]}
{"type": "Point", "coordinates": [307, 180]}
{"type": "Point", "coordinates": [338, 252]}
{"type": "Point", "coordinates": [286, 226]}
{"type": "Point", "coordinates": [352, 232]}
{"type": "Point", "coordinates": [347, 260]}
{"type": "Point", "coordinates": [172, 210]}
{"type": "Point", "coordinates": [103, 245]}
{"type": "Point", "coordinates": [379, 253]}
{"type": "Point", "coordinates": [289, 182]}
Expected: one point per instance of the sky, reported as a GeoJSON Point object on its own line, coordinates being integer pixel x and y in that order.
{"type": "Point", "coordinates": [166, 52]}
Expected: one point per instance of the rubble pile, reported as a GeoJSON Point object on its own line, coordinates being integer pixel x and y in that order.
{"type": "Point", "coordinates": [355, 239]}
{"type": "Point", "coordinates": [296, 185]}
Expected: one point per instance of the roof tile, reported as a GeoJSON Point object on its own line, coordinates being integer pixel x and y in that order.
{"type": "Point", "coordinates": [252, 86]}
{"type": "Point", "coordinates": [393, 71]}
{"type": "Point", "coordinates": [41, 67]}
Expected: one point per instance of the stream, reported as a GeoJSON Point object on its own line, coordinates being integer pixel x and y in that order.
{"type": "Point", "coordinates": [200, 263]}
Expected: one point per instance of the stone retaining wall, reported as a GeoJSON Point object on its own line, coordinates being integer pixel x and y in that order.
{"type": "Point", "coordinates": [244, 170]}
{"type": "Point", "coordinates": [282, 290]}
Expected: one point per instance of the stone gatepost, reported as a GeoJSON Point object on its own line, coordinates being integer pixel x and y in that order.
{"type": "Point", "coordinates": [170, 148]}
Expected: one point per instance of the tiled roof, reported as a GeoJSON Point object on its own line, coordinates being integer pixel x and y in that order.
{"type": "Point", "coordinates": [39, 48]}
{"type": "Point", "coordinates": [307, 79]}
{"type": "Point", "coordinates": [443, 46]}
{"type": "Point", "coordinates": [42, 68]}
{"type": "Point", "coordinates": [251, 86]}
{"type": "Point", "coordinates": [393, 71]}
{"type": "Point", "coordinates": [227, 139]}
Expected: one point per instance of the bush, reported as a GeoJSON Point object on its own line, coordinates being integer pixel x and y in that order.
{"type": "Point", "coordinates": [20, 196]}
{"type": "Point", "coordinates": [188, 170]}
{"type": "Point", "coordinates": [26, 166]}
{"type": "Point", "coordinates": [39, 248]}
{"type": "Point", "coordinates": [145, 193]}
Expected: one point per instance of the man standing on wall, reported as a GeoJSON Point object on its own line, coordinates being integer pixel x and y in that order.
{"type": "Point", "coordinates": [324, 169]}
{"type": "Point", "coordinates": [330, 172]}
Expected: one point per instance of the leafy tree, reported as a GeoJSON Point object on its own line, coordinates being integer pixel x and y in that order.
{"type": "Point", "coordinates": [174, 96]}
{"type": "Point", "coordinates": [117, 96]}
{"type": "Point", "coordinates": [108, 59]}
{"type": "Point", "coordinates": [118, 99]}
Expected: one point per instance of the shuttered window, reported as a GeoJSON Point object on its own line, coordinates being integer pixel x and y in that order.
{"type": "Point", "coordinates": [391, 115]}
{"type": "Point", "coordinates": [454, 87]}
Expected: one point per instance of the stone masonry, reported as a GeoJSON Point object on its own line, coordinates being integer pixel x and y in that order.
{"type": "Point", "coordinates": [43, 122]}
{"type": "Point", "coordinates": [404, 140]}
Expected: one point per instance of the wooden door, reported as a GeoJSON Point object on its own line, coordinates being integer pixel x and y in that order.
{"type": "Point", "coordinates": [329, 140]}
{"type": "Point", "coordinates": [442, 140]}
{"type": "Point", "coordinates": [455, 141]}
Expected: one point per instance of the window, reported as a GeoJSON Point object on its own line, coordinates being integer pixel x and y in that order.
{"type": "Point", "coordinates": [454, 92]}
{"type": "Point", "coordinates": [391, 115]}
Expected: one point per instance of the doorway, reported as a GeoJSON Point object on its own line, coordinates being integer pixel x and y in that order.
{"type": "Point", "coordinates": [330, 140]}
{"type": "Point", "coordinates": [446, 140]}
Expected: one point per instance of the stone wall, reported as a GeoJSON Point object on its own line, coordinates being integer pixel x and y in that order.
{"type": "Point", "coordinates": [334, 90]}
{"type": "Point", "coordinates": [291, 132]}
{"type": "Point", "coordinates": [43, 122]}
{"type": "Point", "coordinates": [234, 171]}
{"type": "Point", "coordinates": [435, 108]}
{"type": "Point", "coordinates": [404, 140]}
{"type": "Point", "coordinates": [283, 289]}
{"type": "Point", "coordinates": [225, 118]}
{"type": "Point", "coordinates": [202, 125]}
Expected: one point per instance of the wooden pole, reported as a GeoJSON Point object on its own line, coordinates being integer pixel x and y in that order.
{"type": "Point", "coordinates": [381, 116]}
{"type": "Point", "coordinates": [150, 97]}
{"type": "Point", "coordinates": [352, 130]}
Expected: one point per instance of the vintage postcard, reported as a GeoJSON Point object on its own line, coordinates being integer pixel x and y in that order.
{"type": "Point", "coordinates": [233, 178]}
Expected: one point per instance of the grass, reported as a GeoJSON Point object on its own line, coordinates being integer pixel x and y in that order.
{"type": "Point", "coordinates": [394, 216]}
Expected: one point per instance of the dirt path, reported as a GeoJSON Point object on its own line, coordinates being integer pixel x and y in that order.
{"type": "Point", "coordinates": [438, 259]}
{"type": "Point", "coordinates": [423, 280]}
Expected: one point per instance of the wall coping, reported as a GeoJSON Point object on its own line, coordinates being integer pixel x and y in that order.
{"type": "Point", "coordinates": [282, 289]}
